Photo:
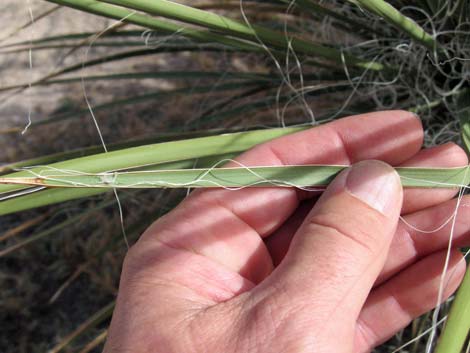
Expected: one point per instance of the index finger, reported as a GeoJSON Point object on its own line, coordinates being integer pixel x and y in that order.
{"type": "Point", "coordinates": [227, 226]}
{"type": "Point", "coordinates": [390, 136]}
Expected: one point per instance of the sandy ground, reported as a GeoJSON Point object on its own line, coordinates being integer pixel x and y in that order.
{"type": "Point", "coordinates": [31, 277]}
{"type": "Point", "coordinates": [27, 322]}
{"type": "Point", "coordinates": [15, 68]}
{"type": "Point", "coordinates": [44, 100]}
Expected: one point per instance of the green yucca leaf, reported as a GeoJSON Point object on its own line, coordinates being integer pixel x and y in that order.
{"type": "Point", "coordinates": [463, 106]}
{"type": "Point", "coordinates": [69, 184]}
{"type": "Point", "coordinates": [396, 18]}
{"type": "Point", "coordinates": [163, 49]}
{"type": "Point", "coordinates": [299, 176]}
{"type": "Point", "coordinates": [212, 21]}
{"type": "Point", "coordinates": [76, 36]}
{"type": "Point", "coordinates": [204, 152]}
{"type": "Point", "coordinates": [457, 327]}
{"type": "Point", "coordinates": [459, 96]}
{"type": "Point", "coordinates": [164, 75]}
{"type": "Point", "coordinates": [255, 6]}
{"type": "Point", "coordinates": [254, 33]}
{"type": "Point", "coordinates": [159, 138]}
{"type": "Point", "coordinates": [117, 13]}
{"type": "Point", "coordinates": [30, 23]}
{"type": "Point", "coordinates": [266, 103]}
{"type": "Point", "coordinates": [43, 198]}
{"type": "Point", "coordinates": [217, 111]}
{"type": "Point", "coordinates": [164, 152]}
{"type": "Point", "coordinates": [138, 99]}
{"type": "Point", "coordinates": [186, 75]}
{"type": "Point", "coordinates": [99, 44]}
{"type": "Point", "coordinates": [53, 196]}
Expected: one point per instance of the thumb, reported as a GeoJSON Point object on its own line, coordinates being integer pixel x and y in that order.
{"type": "Point", "coordinates": [340, 249]}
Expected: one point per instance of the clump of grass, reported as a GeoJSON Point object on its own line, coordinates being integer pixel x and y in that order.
{"type": "Point", "coordinates": [296, 62]}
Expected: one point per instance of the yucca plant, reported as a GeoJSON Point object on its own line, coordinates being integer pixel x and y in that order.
{"type": "Point", "coordinates": [357, 56]}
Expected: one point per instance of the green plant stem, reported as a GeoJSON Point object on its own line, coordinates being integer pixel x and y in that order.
{"type": "Point", "coordinates": [56, 195]}
{"type": "Point", "coordinates": [234, 177]}
{"type": "Point", "coordinates": [165, 75]}
{"type": "Point", "coordinates": [30, 23]}
{"type": "Point", "coordinates": [74, 36]}
{"type": "Point", "coordinates": [457, 326]}
{"type": "Point", "coordinates": [82, 152]}
{"type": "Point", "coordinates": [68, 184]}
{"type": "Point", "coordinates": [120, 14]}
{"type": "Point", "coordinates": [163, 153]}
{"type": "Point", "coordinates": [139, 99]}
{"type": "Point", "coordinates": [397, 19]}
{"type": "Point", "coordinates": [187, 14]}
{"type": "Point", "coordinates": [463, 105]}
{"type": "Point", "coordinates": [163, 49]}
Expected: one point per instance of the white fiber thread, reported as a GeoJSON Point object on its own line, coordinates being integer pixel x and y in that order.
{"type": "Point", "coordinates": [435, 316]}
{"type": "Point", "coordinates": [285, 79]}
{"type": "Point", "coordinates": [109, 178]}
{"type": "Point", "coordinates": [95, 121]}
{"type": "Point", "coordinates": [30, 57]}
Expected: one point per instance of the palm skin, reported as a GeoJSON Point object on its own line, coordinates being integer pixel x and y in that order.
{"type": "Point", "coordinates": [283, 270]}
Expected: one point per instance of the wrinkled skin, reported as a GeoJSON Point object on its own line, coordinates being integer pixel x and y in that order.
{"type": "Point", "coordinates": [283, 270]}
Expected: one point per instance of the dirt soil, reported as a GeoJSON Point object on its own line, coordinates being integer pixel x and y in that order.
{"type": "Point", "coordinates": [29, 320]}
{"type": "Point", "coordinates": [52, 286]}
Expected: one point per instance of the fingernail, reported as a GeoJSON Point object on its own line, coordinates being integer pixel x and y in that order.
{"type": "Point", "coordinates": [416, 116]}
{"type": "Point", "coordinates": [375, 183]}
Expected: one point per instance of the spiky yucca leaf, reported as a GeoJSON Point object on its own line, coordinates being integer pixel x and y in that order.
{"type": "Point", "coordinates": [309, 42]}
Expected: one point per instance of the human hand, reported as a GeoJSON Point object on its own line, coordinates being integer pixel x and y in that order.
{"type": "Point", "coordinates": [279, 270]}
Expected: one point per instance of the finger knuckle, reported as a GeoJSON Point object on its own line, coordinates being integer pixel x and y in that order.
{"type": "Point", "coordinates": [359, 233]}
